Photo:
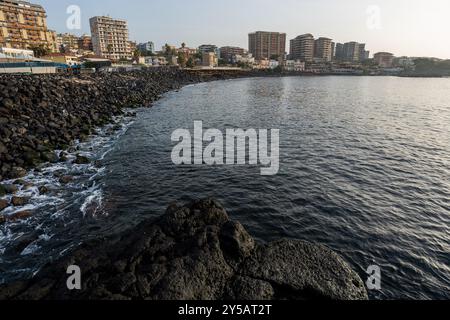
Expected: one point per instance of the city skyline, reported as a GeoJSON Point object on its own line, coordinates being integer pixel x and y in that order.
{"type": "Point", "coordinates": [406, 28]}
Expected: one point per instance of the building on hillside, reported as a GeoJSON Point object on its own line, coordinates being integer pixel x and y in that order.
{"type": "Point", "coordinates": [110, 38]}
{"type": "Point", "coordinates": [23, 25]}
{"type": "Point", "coordinates": [267, 45]}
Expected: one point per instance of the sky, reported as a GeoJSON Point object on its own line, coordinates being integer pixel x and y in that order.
{"type": "Point", "coordinates": [403, 27]}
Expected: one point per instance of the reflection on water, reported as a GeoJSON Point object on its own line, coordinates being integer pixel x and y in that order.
{"type": "Point", "coordinates": [364, 169]}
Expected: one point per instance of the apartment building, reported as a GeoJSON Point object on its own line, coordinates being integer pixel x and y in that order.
{"type": "Point", "coordinates": [227, 53]}
{"type": "Point", "coordinates": [302, 48]}
{"type": "Point", "coordinates": [23, 25]}
{"type": "Point", "coordinates": [339, 52]}
{"type": "Point", "coordinates": [85, 43]}
{"type": "Point", "coordinates": [384, 59]}
{"type": "Point", "coordinates": [68, 41]}
{"type": "Point", "coordinates": [204, 48]}
{"type": "Point", "coordinates": [266, 45]}
{"type": "Point", "coordinates": [363, 53]}
{"type": "Point", "coordinates": [63, 58]}
{"type": "Point", "coordinates": [323, 49]}
{"type": "Point", "coordinates": [110, 38]}
{"type": "Point", "coordinates": [209, 59]}
{"type": "Point", "coordinates": [351, 51]}
{"type": "Point", "coordinates": [146, 47]}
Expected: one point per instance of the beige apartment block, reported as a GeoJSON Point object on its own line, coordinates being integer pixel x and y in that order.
{"type": "Point", "coordinates": [23, 25]}
{"type": "Point", "coordinates": [265, 45]}
{"type": "Point", "coordinates": [323, 49]}
{"type": "Point", "coordinates": [302, 48]}
{"type": "Point", "coordinates": [110, 38]}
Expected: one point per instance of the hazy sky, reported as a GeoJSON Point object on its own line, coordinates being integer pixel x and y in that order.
{"type": "Point", "coordinates": [403, 27]}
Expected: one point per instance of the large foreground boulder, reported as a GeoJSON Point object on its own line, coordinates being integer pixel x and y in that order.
{"type": "Point", "coordinates": [195, 252]}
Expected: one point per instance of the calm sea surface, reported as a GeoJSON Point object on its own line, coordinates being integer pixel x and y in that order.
{"type": "Point", "coordinates": [364, 169]}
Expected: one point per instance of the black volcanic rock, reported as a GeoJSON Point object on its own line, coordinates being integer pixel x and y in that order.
{"type": "Point", "coordinates": [42, 113]}
{"type": "Point", "coordinates": [195, 252]}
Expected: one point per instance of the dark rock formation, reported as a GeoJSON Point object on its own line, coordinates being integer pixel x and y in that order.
{"type": "Point", "coordinates": [81, 160]}
{"type": "Point", "coordinates": [7, 189]}
{"type": "Point", "coordinates": [3, 204]}
{"type": "Point", "coordinates": [19, 201]}
{"type": "Point", "coordinates": [195, 252]}
{"type": "Point", "coordinates": [41, 113]}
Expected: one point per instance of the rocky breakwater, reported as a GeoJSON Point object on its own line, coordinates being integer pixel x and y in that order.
{"type": "Point", "coordinates": [195, 252]}
{"type": "Point", "coordinates": [43, 113]}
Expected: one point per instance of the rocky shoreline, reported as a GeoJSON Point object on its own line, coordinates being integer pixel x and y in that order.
{"type": "Point", "coordinates": [194, 252]}
{"type": "Point", "coordinates": [43, 113]}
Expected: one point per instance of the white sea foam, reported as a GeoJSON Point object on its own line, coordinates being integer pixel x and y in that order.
{"type": "Point", "coordinates": [58, 207]}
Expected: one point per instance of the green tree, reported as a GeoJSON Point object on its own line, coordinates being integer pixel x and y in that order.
{"type": "Point", "coordinates": [136, 55]}
{"type": "Point", "coordinates": [181, 59]}
{"type": "Point", "coordinates": [40, 50]}
{"type": "Point", "coordinates": [190, 63]}
{"type": "Point", "coordinates": [274, 57]}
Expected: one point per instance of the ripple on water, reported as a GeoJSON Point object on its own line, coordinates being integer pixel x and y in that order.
{"type": "Point", "coordinates": [364, 169]}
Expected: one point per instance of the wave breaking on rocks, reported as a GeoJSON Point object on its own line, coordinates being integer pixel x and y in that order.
{"type": "Point", "coordinates": [194, 252]}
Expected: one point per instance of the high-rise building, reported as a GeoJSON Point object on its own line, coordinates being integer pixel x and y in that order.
{"type": "Point", "coordinates": [363, 53]}
{"type": "Point", "coordinates": [146, 47]}
{"type": "Point", "coordinates": [302, 48]}
{"type": "Point", "coordinates": [323, 49]}
{"type": "Point", "coordinates": [23, 25]}
{"type": "Point", "coordinates": [384, 59]}
{"type": "Point", "coordinates": [133, 46]}
{"type": "Point", "coordinates": [339, 52]}
{"type": "Point", "coordinates": [333, 50]}
{"type": "Point", "coordinates": [110, 38]}
{"type": "Point", "coordinates": [52, 41]}
{"type": "Point", "coordinates": [227, 53]}
{"type": "Point", "coordinates": [351, 51]}
{"type": "Point", "coordinates": [68, 42]}
{"type": "Point", "coordinates": [267, 45]}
